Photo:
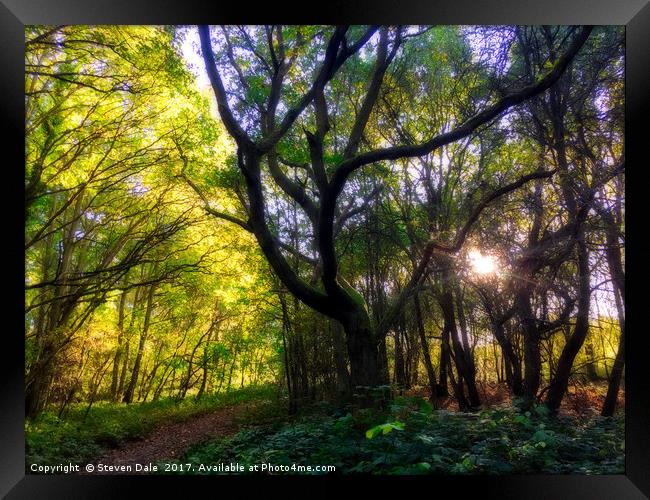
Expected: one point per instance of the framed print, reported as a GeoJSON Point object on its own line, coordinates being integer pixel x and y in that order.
{"type": "Point", "coordinates": [383, 243]}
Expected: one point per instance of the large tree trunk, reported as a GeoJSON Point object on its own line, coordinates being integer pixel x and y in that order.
{"type": "Point", "coordinates": [532, 354]}
{"type": "Point", "coordinates": [363, 354]}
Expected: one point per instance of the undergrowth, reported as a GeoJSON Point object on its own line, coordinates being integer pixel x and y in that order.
{"type": "Point", "coordinates": [411, 438]}
{"type": "Point", "coordinates": [78, 438]}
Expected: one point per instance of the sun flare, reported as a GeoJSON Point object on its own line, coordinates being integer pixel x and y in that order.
{"type": "Point", "coordinates": [482, 264]}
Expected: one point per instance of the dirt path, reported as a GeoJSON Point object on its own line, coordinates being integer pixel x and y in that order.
{"type": "Point", "coordinates": [171, 441]}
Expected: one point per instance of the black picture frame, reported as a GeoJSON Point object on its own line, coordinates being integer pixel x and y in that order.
{"type": "Point", "coordinates": [634, 14]}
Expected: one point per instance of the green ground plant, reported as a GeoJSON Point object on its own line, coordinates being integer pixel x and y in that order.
{"type": "Point", "coordinates": [80, 437]}
{"type": "Point", "coordinates": [411, 438]}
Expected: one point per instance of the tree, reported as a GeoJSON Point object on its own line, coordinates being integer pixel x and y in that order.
{"type": "Point", "coordinates": [261, 136]}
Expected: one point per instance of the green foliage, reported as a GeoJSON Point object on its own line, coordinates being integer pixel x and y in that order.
{"type": "Point", "coordinates": [384, 429]}
{"type": "Point", "coordinates": [496, 441]}
{"type": "Point", "coordinates": [79, 438]}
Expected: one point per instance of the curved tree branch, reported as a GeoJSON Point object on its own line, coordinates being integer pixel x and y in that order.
{"type": "Point", "coordinates": [348, 166]}
{"type": "Point", "coordinates": [231, 124]}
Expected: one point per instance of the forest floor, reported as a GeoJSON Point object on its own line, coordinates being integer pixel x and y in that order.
{"type": "Point", "coordinates": [120, 434]}
{"type": "Point", "coordinates": [410, 437]}
{"type": "Point", "coordinates": [171, 441]}
{"type": "Point", "coordinates": [251, 426]}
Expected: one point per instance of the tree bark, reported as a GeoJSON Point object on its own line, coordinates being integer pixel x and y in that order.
{"type": "Point", "coordinates": [118, 352]}
{"type": "Point", "coordinates": [130, 391]}
{"type": "Point", "coordinates": [532, 354]}
{"type": "Point", "coordinates": [465, 372]}
{"type": "Point", "coordinates": [342, 373]}
{"type": "Point", "coordinates": [560, 382]}
{"type": "Point", "coordinates": [614, 261]}
{"type": "Point", "coordinates": [362, 350]}
{"type": "Point", "coordinates": [431, 374]}
{"type": "Point", "coordinates": [445, 360]}
{"type": "Point", "coordinates": [400, 374]}
{"type": "Point", "coordinates": [609, 405]}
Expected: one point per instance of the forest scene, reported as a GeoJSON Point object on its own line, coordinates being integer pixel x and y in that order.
{"type": "Point", "coordinates": [325, 249]}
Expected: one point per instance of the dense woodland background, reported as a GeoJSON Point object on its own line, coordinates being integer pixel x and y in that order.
{"type": "Point", "coordinates": [348, 214]}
